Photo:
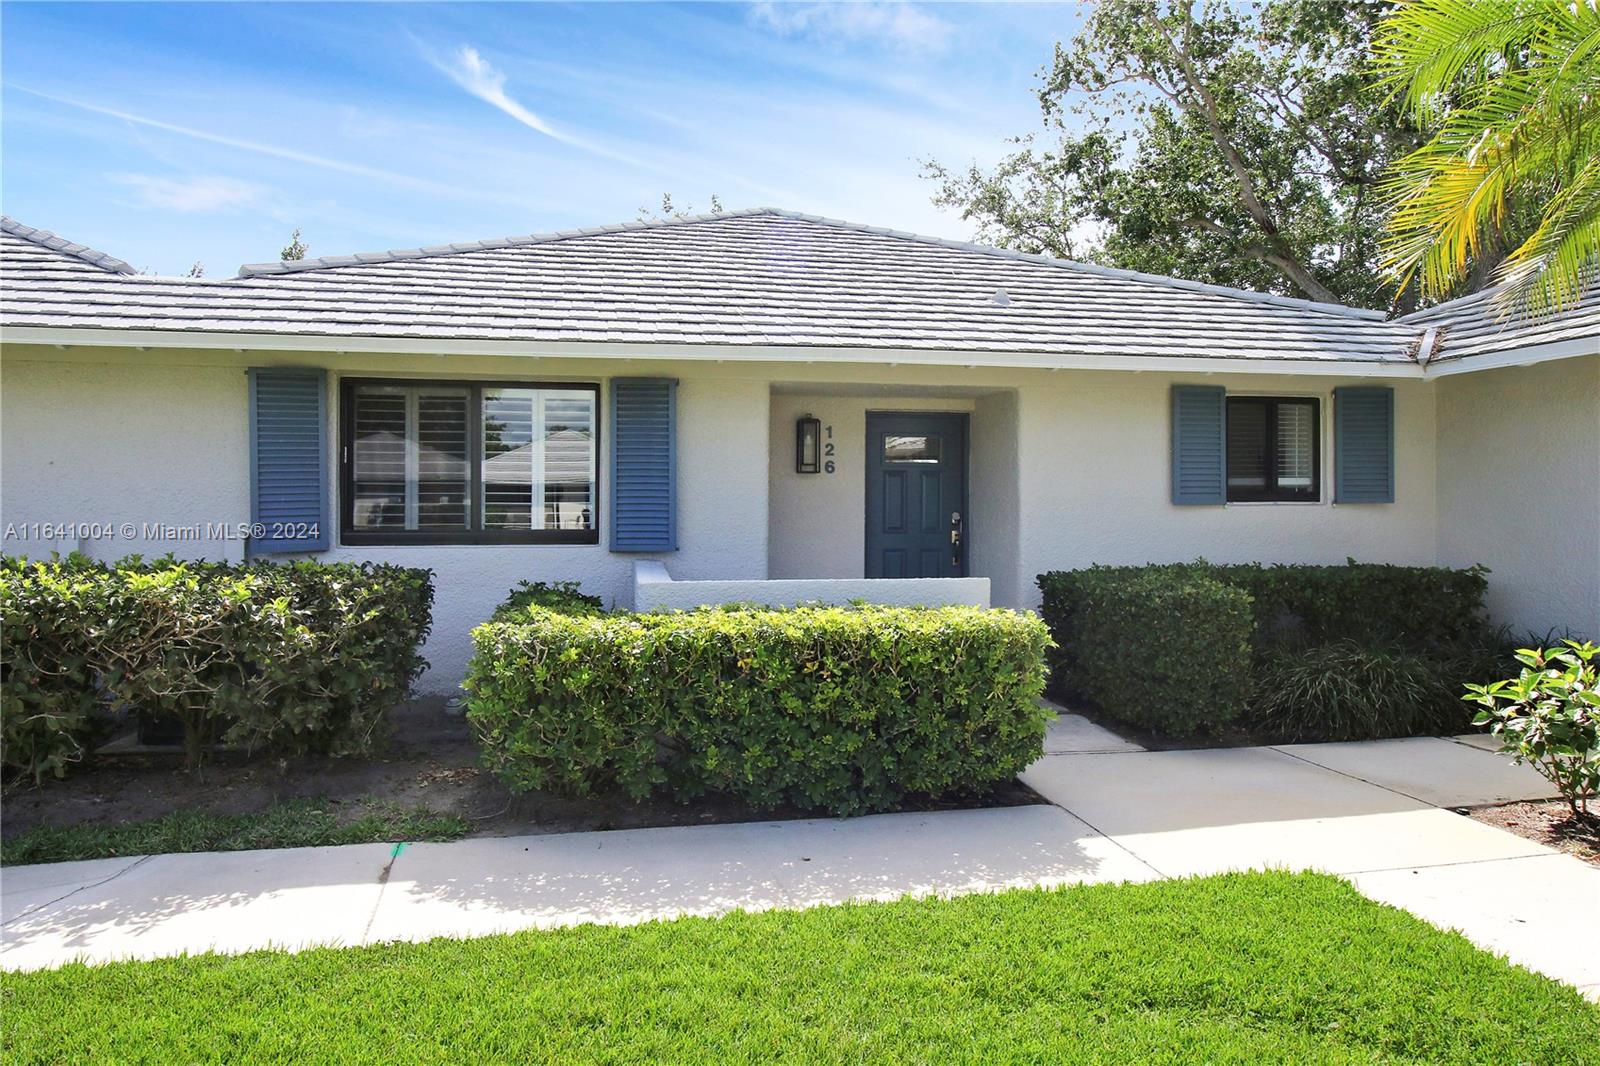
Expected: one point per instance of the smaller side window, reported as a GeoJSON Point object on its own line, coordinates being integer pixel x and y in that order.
{"type": "Point", "coordinates": [1274, 449]}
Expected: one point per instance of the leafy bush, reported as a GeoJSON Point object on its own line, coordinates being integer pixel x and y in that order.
{"type": "Point", "coordinates": [1414, 606]}
{"type": "Point", "coordinates": [833, 708]}
{"type": "Point", "coordinates": [49, 688]}
{"type": "Point", "coordinates": [1349, 690]}
{"type": "Point", "coordinates": [1426, 624]}
{"type": "Point", "coordinates": [301, 657]}
{"type": "Point", "coordinates": [1549, 715]}
{"type": "Point", "coordinates": [557, 596]}
{"type": "Point", "coordinates": [1162, 649]}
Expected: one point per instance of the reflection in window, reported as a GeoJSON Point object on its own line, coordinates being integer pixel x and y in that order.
{"type": "Point", "coordinates": [538, 459]}
{"type": "Point", "coordinates": [469, 462]}
{"type": "Point", "coordinates": [409, 458]}
{"type": "Point", "coordinates": [910, 449]}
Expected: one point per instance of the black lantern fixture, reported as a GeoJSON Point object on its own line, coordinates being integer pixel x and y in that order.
{"type": "Point", "coordinates": [808, 445]}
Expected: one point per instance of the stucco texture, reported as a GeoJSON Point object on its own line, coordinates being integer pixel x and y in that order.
{"type": "Point", "coordinates": [1095, 467]}
{"type": "Point", "coordinates": [1519, 451]}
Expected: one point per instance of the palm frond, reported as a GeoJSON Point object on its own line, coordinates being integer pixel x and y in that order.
{"type": "Point", "coordinates": [1554, 266]}
{"type": "Point", "coordinates": [1512, 89]}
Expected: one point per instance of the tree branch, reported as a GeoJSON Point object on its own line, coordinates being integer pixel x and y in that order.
{"type": "Point", "coordinates": [1199, 101]}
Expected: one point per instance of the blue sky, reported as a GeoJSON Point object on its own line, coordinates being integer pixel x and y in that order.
{"type": "Point", "coordinates": [166, 134]}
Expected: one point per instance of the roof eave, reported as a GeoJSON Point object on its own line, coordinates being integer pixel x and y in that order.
{"type": "Point", "coordinates": [65, 337]}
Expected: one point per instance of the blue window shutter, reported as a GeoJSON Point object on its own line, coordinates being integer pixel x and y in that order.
{"type": "Point", "coordinates": [1363, 445]}
{"type": "Point", "coordinates": [288, 459]}
{"type": "Point", "coordinates": [1198, 464]}
{"type": "Point", "coordinates": [644, 482]}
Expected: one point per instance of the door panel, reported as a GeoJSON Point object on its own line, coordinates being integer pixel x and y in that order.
{"type": "Point", "coordinates": [894, 501]}
{"type": "Point", "coordinates": [916, 483]}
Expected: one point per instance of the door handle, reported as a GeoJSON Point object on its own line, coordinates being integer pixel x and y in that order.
{"type": "Point", "coordinates": [956, 527]}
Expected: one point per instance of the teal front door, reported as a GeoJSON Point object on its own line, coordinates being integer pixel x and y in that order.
{"type": "Point", "coordinates": [916, 494]}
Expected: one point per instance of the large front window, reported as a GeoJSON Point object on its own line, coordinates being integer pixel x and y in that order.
{"type": "Point", "coordinates": [1273, 448]}
{"type": "Point", "coordinates": [449, 462]}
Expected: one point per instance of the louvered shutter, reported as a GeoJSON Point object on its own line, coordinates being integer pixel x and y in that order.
{"type": "Point", "coordinates": [1198, 475]}
{"type": "Point", "coordinates": [644, 465]}
{"type": "Point", "coordinates": [288, 460]}
{"type": "Point", "coordinates": [1363, 445]}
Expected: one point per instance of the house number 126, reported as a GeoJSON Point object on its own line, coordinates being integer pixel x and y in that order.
{"type": "Point", "coordinates": [827, 449]}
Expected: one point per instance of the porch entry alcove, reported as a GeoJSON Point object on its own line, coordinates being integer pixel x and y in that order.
{"type": "Point", "coordinates": [916, 483]}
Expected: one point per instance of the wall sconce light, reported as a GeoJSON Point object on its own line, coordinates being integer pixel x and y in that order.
{"type": "Point", "coordinates": [808, 445]}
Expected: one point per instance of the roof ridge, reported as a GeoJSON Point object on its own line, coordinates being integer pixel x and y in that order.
{"type": "Point", "coordinates": [1488, 293]}
{"type": "Point", "coordinates": [45, 239]}
{"type": "Point", "coordinates": [399, 255]}
{"type": "Point", "coordinates": [394, 255]}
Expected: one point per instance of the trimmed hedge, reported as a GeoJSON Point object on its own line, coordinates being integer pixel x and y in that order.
{"type": "Point", "coordinates": [1163, 650]}
{"type": "Point", "coordinates": [1133, 638]}
{"type": "Point", "coordinates": [301, 657]}
{"type": "Point", "coordinates": [840, 709]}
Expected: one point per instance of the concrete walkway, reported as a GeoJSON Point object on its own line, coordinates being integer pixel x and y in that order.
{"type": "Point", "coordinates": [1370, 812]}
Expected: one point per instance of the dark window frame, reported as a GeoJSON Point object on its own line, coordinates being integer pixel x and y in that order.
{"type": "Point", "coordinates": [349, 535]}
{"type": "Point", "coordinates": [1272, 492]}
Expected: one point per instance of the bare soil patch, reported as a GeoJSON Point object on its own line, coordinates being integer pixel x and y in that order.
{"type": "Point", "coordinates": [429, 762]}
{"type": "Point", "coordinates": [1550, 823]}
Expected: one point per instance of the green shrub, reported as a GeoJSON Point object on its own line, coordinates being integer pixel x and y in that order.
{"type": "Point", "coordinates": [1427, 621]}
{"type": "Point", "coordinates": [1549, 715]}
{"type": "Point", "coordinates": [49, 687]}
{"type": "Point", "coordinates": [557, 596]}
{"type": "Point", "coordinates": [300, 657]}
{"type": "Point", "coordinates": [1413, 606]}
{"type": "Point", "coordinates": [1164, 650]}
{"type": "Point", "coordinates": [831, 708]}
{"type": "Point", "coordinates": [1349, 690]}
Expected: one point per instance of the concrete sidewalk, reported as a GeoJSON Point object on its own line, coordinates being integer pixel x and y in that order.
{"type": "Point", "coordinates": [1370, 812]}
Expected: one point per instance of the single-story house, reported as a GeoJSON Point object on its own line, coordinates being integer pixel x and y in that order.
{"type": "Point", "coordinates": [767, 396]}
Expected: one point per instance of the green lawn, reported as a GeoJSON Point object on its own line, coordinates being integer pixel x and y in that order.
{"type": "Point", "coordinates": [296, 824]}
{"type": "Point", "coordinates": [1260, 967]}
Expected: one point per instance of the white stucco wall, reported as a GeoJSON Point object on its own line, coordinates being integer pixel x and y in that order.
{"type": "Point", "coordinates": [1096, 475]}
{"type": "Point", "coordinates": [1067, 469]}
{"type": "Point", "coordinates": [157, 437]}
{"type": "Point", "coordinates": [994, 535]}
{"type": "Point", "coordinates": [817, 526]}
{"type": "Point", "coordinates": [116, 442]}
{"type": "Point", "coordinates": [1519, 449]}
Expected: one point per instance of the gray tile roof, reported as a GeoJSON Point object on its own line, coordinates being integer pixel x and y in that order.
{"type": "Point", "coordinates": [760, 277]}
{"type": "Point", "coordinates": [1471, 326]}
{"type": "Point", "coordinates": [30, 251]}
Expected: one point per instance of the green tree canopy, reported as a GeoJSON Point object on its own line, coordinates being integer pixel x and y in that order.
{"type": "Point", "coordinates": [1238, 146]}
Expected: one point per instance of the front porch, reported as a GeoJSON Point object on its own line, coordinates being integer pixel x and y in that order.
{"type": "Point", "coordinates": [911, 492]}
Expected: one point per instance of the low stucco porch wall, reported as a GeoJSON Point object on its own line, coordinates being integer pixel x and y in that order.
{"type": "Point", "coordinates": [655, 590]}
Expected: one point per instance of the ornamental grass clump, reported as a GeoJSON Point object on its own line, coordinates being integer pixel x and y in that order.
{"type": "Point", "coordinates": [1549, 716]}
{"type": "Point", "coordinates": [841, 709]}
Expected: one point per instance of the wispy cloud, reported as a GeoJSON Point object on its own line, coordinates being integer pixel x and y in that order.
{"type": "Point", "coordinates": [903, 26]}
{"type": "Point", "coordinates": [291, 154]}
{"type": "Point", "coordinates": [191, 195]}
{"type": "Point", "coordinates": [468, 69]}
